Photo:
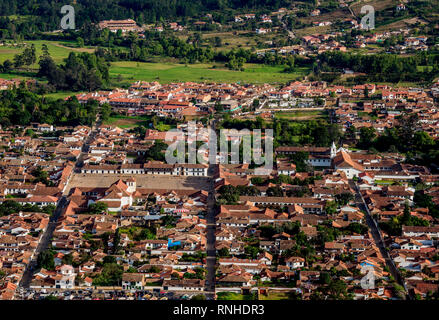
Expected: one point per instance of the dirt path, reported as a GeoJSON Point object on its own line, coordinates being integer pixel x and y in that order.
{"type": "Point", "coordinates": [74, 49]}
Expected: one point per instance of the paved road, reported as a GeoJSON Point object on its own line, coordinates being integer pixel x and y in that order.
{"type": "Point", "coordinates": [86, 145]}
{"type": "Point", "coordinates": [376, 234]}
{"type": "Point", "coordinates": [211, 224]}
{"type": "Point", "coordinates": [43, 244]}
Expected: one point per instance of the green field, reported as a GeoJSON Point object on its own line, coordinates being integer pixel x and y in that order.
{"type": "Point", "coordinates": [233, 296]}
{"type": "Point", "coordinates": [57, 49]}
{"type": "Point", "coordinates": [367, 115]}
{"type": "Point", "coordinates": [302, 115]}
{"type": "Point", "coordinates": [60, 95]}
{"type": "Point", "coordinates": [126, 122]}
{"type": "Point", "coordinates": [164, 72]}
{"type": "Point", "coordinates": [275, 296]}
{"type": "Point", "coordinates": [173, 72]}
{"type": "Point", "coordinates": [384, 182]}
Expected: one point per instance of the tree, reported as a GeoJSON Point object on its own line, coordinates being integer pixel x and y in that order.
{"type": "Point", "coordinates": [223, 252]}
{"type": "Point", "coordinates": [422, 141]}
{"type": "Point", "coordinates": [8, 207]}
{"type": "Point", "coordinates": [275, 192]}
{"type": "Point", "coordinates": [80, 42]}
{"type": "Point", "coordinates": [46, 260]}
{"type": "Point", "coordinates": [7, 66]}
{"type": "Point", "coordinates": [154, 269]}
{"type": "Point", "coordinates": [325, 278]}
{"type": "Point", "coordinates": [337, 287]}
{"type": "Point", "coordinates": [105, 111]}
{"type": "Point", "coordinates": [218, 42]}
{"type": "Point", "coordinates": [251, 251]}
{"type": "Point", "coordinates": [367, 136]}
{"type": "Point", "coordinates": [344, 198]}
{"type": "Point", "coordinates": [228, 194]}
{"type": "Point", "coordinates": [111, 275]}
{"type": "Point", "coordinates": [41, 176]}
{"type": "Point", "coordinates": [67, 259]}
{"type": "Point", "coordinates": [330, 208]}
{"type": "Point", "coordinates": [357, 228]}
{"type": "Point", "coordinates": [97, 208]}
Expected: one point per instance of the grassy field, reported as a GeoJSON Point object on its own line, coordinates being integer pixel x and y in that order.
{"type": "Point", "coordinates": [59, 50]}
{"type": "Point", "coordinates": [60, 95]}
{"type": "Point", "coordinates": [366, 115]}
{"type": "Point", "coordinates": [163, 127]}
{"type": "Point", "coordinates": [384, 182]}
{"type": "Point", "coordinates": [173, 72]}
{"type": "Point", "coordinates": [275, 296]}
{"type": "Point", "coordinates": [302, 115]}
{"type": "Point", "coordinates": [126, 122]}
{"type": "Point", "coordinates": [165, 72]}
{"type": "Point", "coordinates": [233, 296]}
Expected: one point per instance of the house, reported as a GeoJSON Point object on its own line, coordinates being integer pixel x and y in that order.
{"type": "Point", "coordinates": [133, 281]}
{"type": "Point", "coordinates": [184, 285]}
{"type": "Point", "coordinates": [343, 162]}
{"type": "Point", "coordinates": [295, 262]}
{"type": "Point", "coordinates": [418, 231]}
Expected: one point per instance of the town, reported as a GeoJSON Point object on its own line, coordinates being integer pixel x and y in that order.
{"type": "Point", "coordinates": [323, 117]}
{"type": "Point", "coordinates": [95, 212]}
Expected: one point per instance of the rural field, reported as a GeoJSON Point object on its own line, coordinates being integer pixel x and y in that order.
{"type": "Point", "coordinates": [302, 115]}
{"type": "Point", "coordinates": [57, 49]}
{"type": "Point", "coordinates": [124, 73]}
{"type": "Point", "coordinates": [174, 72]}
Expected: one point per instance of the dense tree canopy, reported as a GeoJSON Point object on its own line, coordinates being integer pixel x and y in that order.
{"type": "Point", "coordinates": [19, 106]}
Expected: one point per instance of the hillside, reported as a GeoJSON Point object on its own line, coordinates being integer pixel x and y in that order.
{"type": "Point", "coordinates": [46, 14]}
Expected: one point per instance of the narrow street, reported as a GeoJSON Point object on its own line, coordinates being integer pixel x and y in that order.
{"type": "Point", "coordinates": [376, 234]}
{"type": "Point", "coordinates": [43, 244]}
{"type": "Point", "coordinates": [211, 224]}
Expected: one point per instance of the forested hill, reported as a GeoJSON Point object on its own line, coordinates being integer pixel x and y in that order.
{"type": "Point", "coordinates": [47, 13]}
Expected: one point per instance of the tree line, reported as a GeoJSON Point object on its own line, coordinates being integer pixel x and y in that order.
{"type": "Point", "coordinates": [45, 15]}
{"type": "Point", "coordinates": [19, 106]}
{"type": "Point", "coordinates": [380, 67]}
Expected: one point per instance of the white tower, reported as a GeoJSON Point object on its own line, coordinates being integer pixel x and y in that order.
{"type": "Point", "coordinates": [131, 183]}
{"type": "Point", "coordinates": [333, 150]}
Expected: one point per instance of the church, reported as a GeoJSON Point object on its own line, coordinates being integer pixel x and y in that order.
{"type": "Point", "coordinates": [320, 157]}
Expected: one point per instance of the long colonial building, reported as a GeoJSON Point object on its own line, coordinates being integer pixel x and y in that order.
{"type": "Point", "coordinates": [186, 169]}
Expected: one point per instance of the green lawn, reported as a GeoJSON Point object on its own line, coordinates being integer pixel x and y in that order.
{"type": "Point", "coordinates": [126, 122]}
{"type": "Point", "coordinates": [174, 72]}
{"type": "Point", "coordinates": [301, 115]}
{"type": "Point", "coordinates": [367, 115]}
{"type": "Point", "coordinates": [61, 94]}
{"type": "Point", "coordinates": [163, 127]}
{"type": "Point", "coordinates": [275, 296]}
{"type": "Point", "coordinates": [384, 182]}
{"type": "Point", "coordinates": [233, 296]}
